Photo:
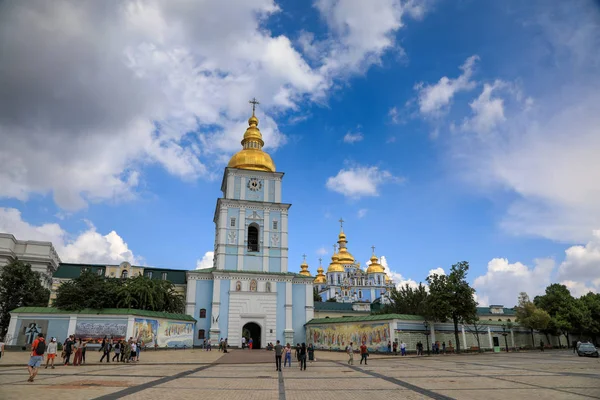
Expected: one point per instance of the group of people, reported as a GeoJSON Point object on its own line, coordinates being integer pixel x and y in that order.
{"type": "Point", "coordinates": [75, 347]}
{"type": "Point", "coordinates": [249, 343]}
{"type": "Point", "coordinates": [364, 353]}
{"type": "Point", "coordinates": [124, 350]}
{"type": "Point", "coordinates": [39, 348]}
{"type": "Point", "coordinates": [394, 346]}
{"type": "Point", "coordinates": [301, 353]}
{"type": "Point", "coordinates": [223, 344]}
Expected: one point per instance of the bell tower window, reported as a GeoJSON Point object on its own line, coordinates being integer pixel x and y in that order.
{"type": "Point", "coordinates": [253, 238]}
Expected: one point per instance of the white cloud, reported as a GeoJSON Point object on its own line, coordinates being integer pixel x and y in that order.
{"type": "Point", "coordinates": [88, 246]}
{"type": "Point", "coordinates": [398, 279]}
{"type": "Point", "coordinates": [118, 86]}
{"type": "Point", "coordinates": [321, 251]}
{"type": "Point", "coordinates": [362, 213]}
{"type": "Point", "coordinates": [488, 111]}
{"type": "Point", "coordinates": [359, 181]}
{"type": "Point", "coordinates": [353, 137]}
{"type": "Point", "coordinates": [580, 270]}
{"type": "Point", "coordinates": [437, 271]}
{"type": "Point", "coordinates": [206, 261]}
{"type": "Point", "coordinates": [503, 281]}
{"type": "Point", "coordinates": [434, 99]}
{"type": "Point", "coordinates": [394, 115]}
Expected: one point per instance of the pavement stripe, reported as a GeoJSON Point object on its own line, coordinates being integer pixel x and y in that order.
{"type": "Point", "coordinates": [281, 386]}
{"type": "Point", "coordinates": [148, 385]}
{"type": "Point", "coordinates": [420, 390]}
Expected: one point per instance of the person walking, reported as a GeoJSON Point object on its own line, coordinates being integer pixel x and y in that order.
{"type": "Point", "coordinates": [311, 353]}
{"type": "Point", "coordinates": [123, 346]}
{"type": "Point", "coordinates": [117, 352]}
{"type": "Point", "coordinates": [127, 352]}
{"type": "Point", "coordinates": [208, 345]}
{"type": "Point", "coordinates": [288, 355]}
{"type": "Point", "coordinates": [68, 346]}
{"type": "Point", "coordinates": [225, 344]}
{"type": "Point", "coordinates": [77, 352]}
{"type": "Point", "coordinates": [133, 351]}
{"type": "Point", "coordinates": [303, 357]}
{"type": "Point", "coordinates": [350, 352]}
{"type": "Point", "coordinates": [138, 350]}
{"type": "Point", "coordinates": [278, 354]}
{"type": "Point", "coordinates": [395, 347]}
{"type": "Point", "coordinates": [298, 352]}
{"type": "Point", "coordinates": [363, 353]}
{"type": "Point", "coordinates": [403, 348]}
{"type": "Point", "coordinates": [51, 353]}
{"type": "Point", "coordinates": [389, 347]}
{"type": "Point", "coordinates": [38, 348]}
{"type": "Point", "coordinates": [250, 343]}
{"type": "Point", "coordinates": [106, 351]}
{"type": "Point", "coordinates": [443, 347]}
{"type": "Point", "coordinates": [83, 349]}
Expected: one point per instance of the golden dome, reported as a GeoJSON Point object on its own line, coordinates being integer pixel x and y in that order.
{"type": "Point", "coordinates": [344, 255]}
{"type": "Point", "coordinates": [375, 267]}
{"type": "Point", "coordinates": [304, 268]}
{"type": "Point", "coordinates": [335, 266]}
{"type": "Point", "coordinates": [252, 156]}
{"type": "Point", "coordinates": [320, 278]}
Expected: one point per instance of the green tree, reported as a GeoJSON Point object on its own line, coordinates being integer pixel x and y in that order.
{"type": "Point", "coordinates": [591, 301]}
{"type": "Point", "coordinates": [530, 316]}
{"type": "Point", "coordinates": [451, 298]}
{"type": "Point", "coordinates": [316, 295]}
{"type": "Point", "coordinates": [563, 308]}
{"type": "Point", "coordinates": [86, 291]}
{"type": "Point", "coordinates": [19, 287]}
{"type": "Point", "coordinates": [408, 300]}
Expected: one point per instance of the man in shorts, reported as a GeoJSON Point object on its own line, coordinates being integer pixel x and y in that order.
{"type": "Point", "coordinates": [38, 348]}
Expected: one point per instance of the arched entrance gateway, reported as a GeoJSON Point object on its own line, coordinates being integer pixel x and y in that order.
{"type": "Point", "coordinates": [252, 330]}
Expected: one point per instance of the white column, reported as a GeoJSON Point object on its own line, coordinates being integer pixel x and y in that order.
{"type": "Point", "coordinates": [130, 323]}
{"type": "Point", "coordinates": [190, 296]}
{"type": "Point", "coordinates": [512, 338]}
{"type": "Point", "coordinates": [72, 325]}
{"type": "Point", "coordinates": [432, 330]}
{"type": "Point", "coordinates": [464, 336]}
{"type": "Point", "coordinates": [490, 337]}
{"type": "Point", "coordinates": [243, 188]}
{"type": "Point", "coordinates": [284, 241]}
{"type": "Point", "coordinates": [288, 333]}
{"type": "Point", "coordinates": [310, 304]}
{"type": "Point", "coordinates": [278, 191]}
{"type": "Point", "coordinates": [241, 236]}
{"type": "Point", "coordinates": [221, 238]}
{"type": "Point", "coordinates": [214, 325]}
{"type": "Point", "coordinates": [230, 186]}
{"type": "Point", "coordinates": [266, 190]}
{"type": "Point", "coordinates": [11, 334]}
{"type": "Point", "coordinates": [266, 242]}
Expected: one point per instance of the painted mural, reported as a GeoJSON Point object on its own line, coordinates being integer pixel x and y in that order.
{"type": "Point", "coordinates": [175, 334]}
{"type": "Point", "coordinates": [146, 330]}
{"type": "Point", "coordinates": [338, 336]}
{"type": "Point", "coordinates": [30, 329]}
{"type": "Point", "coordinates": [94, 330]}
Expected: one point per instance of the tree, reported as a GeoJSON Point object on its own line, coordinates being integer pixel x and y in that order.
{"type": "Point", "coordinates": [19, 287]}
{"type": "Point", "coordinates": [591, 301]}
{"type": "Point", "coordinates": [316, 295]}
{"type": "Point", "coordinates": [476, 328]}
{"type": "Point", "coordinates": [531, 317]}
{"type": "Point", "coordinates": [408, 300]}
{"type": "Point", "coordinates": [451, 298]}
{"type": "Point", "coordinates": [562, 307]}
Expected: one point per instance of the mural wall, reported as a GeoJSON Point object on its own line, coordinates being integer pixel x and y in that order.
{"type": "Point", "coordinates": [175, 334]}
{"type": "Point", "coordinates": [338, 336]}
{"type": "Point", "coordinates": [146, 330]}
{"type": "Point", "coordinates": [30, 329]}
{"type": "Point", "coordinates": [93, 331]}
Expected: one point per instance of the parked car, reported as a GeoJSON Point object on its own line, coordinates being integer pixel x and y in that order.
{"type": "Point", "coordinates": [587, 349]}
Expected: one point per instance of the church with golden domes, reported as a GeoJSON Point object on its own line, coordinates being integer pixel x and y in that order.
{"type": "Point", "coordinates": [345, 280]}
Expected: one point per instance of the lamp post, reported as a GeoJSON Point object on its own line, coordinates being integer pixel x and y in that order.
{"type": "Point", "coordinates": [505, 333]}
{"type": "Point", "coordinates": [427, 333]}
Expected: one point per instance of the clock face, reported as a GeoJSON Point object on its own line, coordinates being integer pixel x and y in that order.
{"type": "Point", "coordinates": [254, 184]}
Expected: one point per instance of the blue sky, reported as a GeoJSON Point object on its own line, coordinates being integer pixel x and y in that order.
{"type": "Point", "coordinates": [440, 131]}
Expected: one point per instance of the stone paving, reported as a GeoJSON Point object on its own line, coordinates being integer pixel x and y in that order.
{"type": "Point", "coordinates": [249, 375]}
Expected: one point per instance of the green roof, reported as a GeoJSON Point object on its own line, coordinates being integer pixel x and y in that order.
{"type": "Point", "coordinates": [487, 311]}
{"type": "Point", "coordinates": [72, 271]}
{"type": "Point", "coordinates": [104, 311]}
{"type": "Point", "coordinates": [366, 318]}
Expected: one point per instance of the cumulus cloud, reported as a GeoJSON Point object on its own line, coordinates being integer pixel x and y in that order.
{"type": "Point", "coordinates": [206, 261]}
{"type": "Point", "coordinates": [88, 246]}
{"type": "Point", "coordinates": [437, 271]}
{"type": "Point", "coordinates": [580, 270]}
{"type": "Point", "coordinates": [488, 111]}
{"type": "Point", "coordinates": [433, 100]}
{"type": "Point", "coordinates": [351, 137]}
{"type": "Point", "coordinates": [503, 281]}
{"type": "Point", "coordinates": [359, 181]}
{"type": "Point", "coordinates": [119, 86]}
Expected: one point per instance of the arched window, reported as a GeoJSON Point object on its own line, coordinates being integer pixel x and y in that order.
{"type": "Point", "coordinates": [339, 279]}
{"type": "Point", "coordinates": [378, 280]}
{"type": "Point", "coordinates": [253, 238]}
{"type": "Point", "coordinates": [124, 274]}
{"type": "Point", "coordinates": [201, 334]}
{"type": "Point", "coordinates": [203, 313]}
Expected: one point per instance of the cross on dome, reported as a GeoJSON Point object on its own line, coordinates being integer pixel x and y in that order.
{"type": "Point", "coordinates": [254, 103]}
{"type": "Point", "coordinates": [304, 256]}
{"type": "Point", "coordinates": [341, 221]}
{"type": "Point", "coordinates": [373, 247]}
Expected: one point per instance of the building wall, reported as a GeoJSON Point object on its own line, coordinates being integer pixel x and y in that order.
{"type": "Point", "coordinates": [298, 311]}
{"type": "Point", "coordinates": [203, 299]}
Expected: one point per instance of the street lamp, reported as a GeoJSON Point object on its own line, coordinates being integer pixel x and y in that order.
{"type": "Point", "coordinates": [505, 334]}
{"type": "Point", "coordinates": [427, 333]}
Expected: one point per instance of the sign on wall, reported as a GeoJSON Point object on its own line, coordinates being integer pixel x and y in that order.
{"type": "Point", "coordinates": [338, 336]}
{"type": "Point", "coordinates": [29, 330]}
{"type": "Point", "coordinates": [95, 331]}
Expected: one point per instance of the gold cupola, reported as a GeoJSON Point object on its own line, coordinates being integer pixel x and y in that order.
{"type": "Point", "coordinates": [304, 267]}
{"type": "Point", "coordinates": [375, 267]}
{"type": "Point", "coordinates": [252, 155]}
{"type": "Point", "coordinates": [320, 278]}
{"type": "Point", "coordinates": [335, 266]}
{"type": "Point", "coordinates": [344, 255]}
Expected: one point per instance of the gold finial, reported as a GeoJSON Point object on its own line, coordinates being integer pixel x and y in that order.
{"type": "Point", "coordinates": [254, 103]}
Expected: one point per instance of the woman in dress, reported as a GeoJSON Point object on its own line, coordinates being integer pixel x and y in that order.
{"type": "Point", "coordinates": [77, 349]}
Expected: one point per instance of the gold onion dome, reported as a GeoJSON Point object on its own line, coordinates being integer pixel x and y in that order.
{"type": "Point", "coordinates": [335, 266]}
{"type": "Point", "coordinates": [252, 155]}
{"type": "Point", "coordinates": [344, 255]}
{"type": "Point", "coordinates": [304, 268]}
{"type": "Point", "coordinates": [320, 278]}
{"type": "Point", "coordinates": [375, 267]}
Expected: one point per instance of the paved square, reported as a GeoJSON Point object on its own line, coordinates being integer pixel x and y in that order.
{"type": "Point", "coordinates": [249, 375]}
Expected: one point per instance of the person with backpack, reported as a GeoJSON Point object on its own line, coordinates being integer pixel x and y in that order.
{"type": "Point", "coordinates": [38, 348]}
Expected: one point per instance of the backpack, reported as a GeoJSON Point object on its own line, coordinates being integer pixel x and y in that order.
{"type": "Point", "coordinates": [41, 348]}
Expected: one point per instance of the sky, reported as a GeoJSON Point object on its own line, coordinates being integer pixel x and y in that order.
{"type": "Point", "coordinates": [440, 131]}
